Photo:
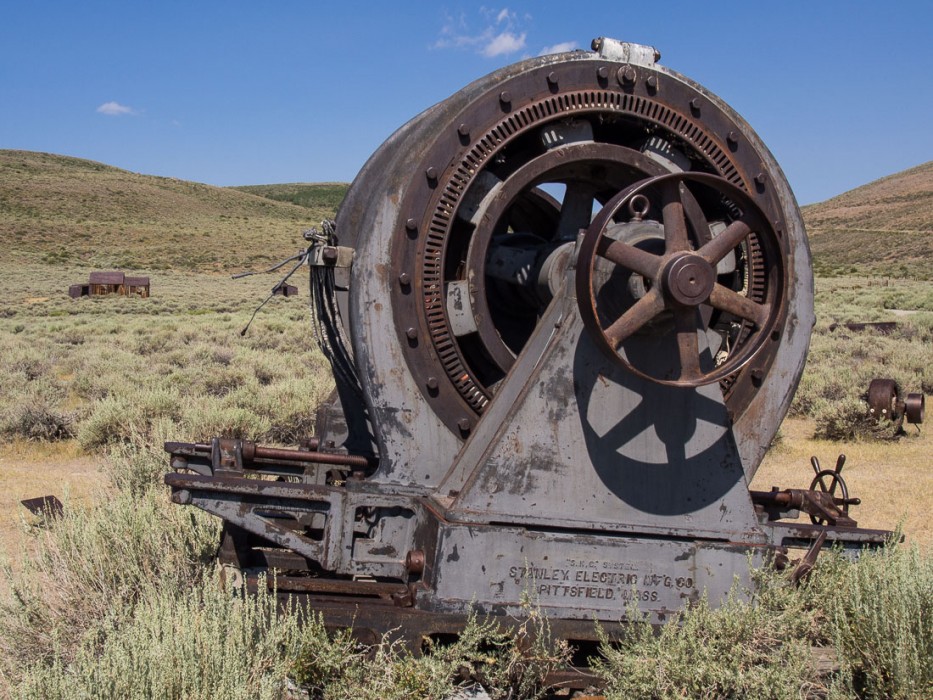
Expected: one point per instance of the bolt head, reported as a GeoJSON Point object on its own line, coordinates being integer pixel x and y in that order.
{"type": "Point", "coordinates": [626, 75]}
{"type": "Point", "coordinates": [552, 78]}
{"type": "Point", "coordinates": [431, 173]}
{"type": "Point", "coordinates": [463, 130]}
{"type": "Point", "coordinates": [463, 424]}
{"type": "Point", "coordinates": [652, 82]}
{"type": "Point", "coordinates": [432, 383]}
{"type": "Point", "coordinates": [411, 333]}
{"type": "Point", "coordinates": [505, 97]}
{"type": "Point", "coordinates": [602, 72]}
{"type": "Point", "coordinates": [411, 225]}
{"type": "Point", "coordinates": [404, 279]}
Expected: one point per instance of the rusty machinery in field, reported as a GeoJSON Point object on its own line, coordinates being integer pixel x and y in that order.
{"type": "Point", "coordinates": [566, 313]}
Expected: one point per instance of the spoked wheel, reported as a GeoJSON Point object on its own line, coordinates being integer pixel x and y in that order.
{"type": "Point", "coordinates": [830, 481]}
{"type": "Point", "coordinates": [681, 279]}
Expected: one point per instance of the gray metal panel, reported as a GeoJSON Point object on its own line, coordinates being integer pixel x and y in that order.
{"type": "Point", "coordinates": [574, 576]}
{"type": "Point", "coordinates": [587, 445]}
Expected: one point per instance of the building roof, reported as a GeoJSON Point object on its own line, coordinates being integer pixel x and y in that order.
{"type": "Point", "coordinates": [112, 277]}
{"type": "Point", "coordinates": [136, 281]}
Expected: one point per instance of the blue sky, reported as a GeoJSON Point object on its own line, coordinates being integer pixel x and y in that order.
{"type": "Point", "coordinates": [234, 92]}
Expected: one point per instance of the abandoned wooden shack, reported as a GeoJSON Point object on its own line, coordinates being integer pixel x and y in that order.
{"type": "Point", "coordinates": [110, 282]}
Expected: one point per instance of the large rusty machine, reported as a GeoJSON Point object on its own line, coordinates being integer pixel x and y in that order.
{"type": "Point", "coordinates": [567, 309]}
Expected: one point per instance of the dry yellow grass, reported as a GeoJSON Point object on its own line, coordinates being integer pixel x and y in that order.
{"type": "Point", "coordinates": [34, 469]}
{"type": "Point", "coordinates": [893, 479]}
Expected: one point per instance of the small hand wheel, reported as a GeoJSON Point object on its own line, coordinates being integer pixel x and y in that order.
{"type": "Point", "coordinates": [828, 480]}
{"type": "Point", "coordinates": [684, 277]}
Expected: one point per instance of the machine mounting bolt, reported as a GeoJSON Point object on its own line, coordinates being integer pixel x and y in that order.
{"type": "Point", "coordinates": [695, 104]}
{"type": "Point", "coordinates": [411, 333]}
{"type": "Point", "coordinates": [505, 97]}
{"type": "Point", "coordinates": [552, 78]}
{"type": "Point", "coordinates": [602, 72]}
{"type": "Point", "coordinates": [652, 82]}
{"type": "Point", "coordinates": [761, 179]}
{"type": "Point", "coordinates": [732, 138]}
{"type": "Point", "coordinates": [431, 173]}
{"type": "Point", "coordinates": [463, 424]}
{"type": "Point", "coordinates": [463, 130]}
{"type": "Point", "coordinates": [626, 75]}
{"type": "Point", "coordinates": [411, 225]}
{"type": "Point", "coordinates": [432, 383]}
{"type": "Point", "coordinates": [404, 279]}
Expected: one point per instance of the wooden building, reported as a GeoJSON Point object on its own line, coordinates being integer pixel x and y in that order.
{"type": "Point", "coordinates": [110, 282]}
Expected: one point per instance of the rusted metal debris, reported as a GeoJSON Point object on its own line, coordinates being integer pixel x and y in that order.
{"type": "Point", "coordinates": [885, 402]}
{"type": "Point", "coordinates": [535, 401]}
{"type": "Point", "coordinates": [882, 327]}
{"type": "Point", "coordinates": [45, 506]}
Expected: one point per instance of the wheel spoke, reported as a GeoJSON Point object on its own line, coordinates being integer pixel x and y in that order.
{"type": "Point", "coordinates": [576, 210]}
{"type": "Point", "coordinates": [726, 300]}
{"type": "Point", "coordinates": [719, 247]}
{"type": "Point", "coordinates": [637, 316]}
{"type": "Point", "coordinates": [629, 257]}
{"type": "Point", "coordinates": [675, 222]}
{"type": "Point", "coordinates": [685, 322]}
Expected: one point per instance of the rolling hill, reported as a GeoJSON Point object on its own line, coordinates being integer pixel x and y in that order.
{"type": "Point", "coordinates": [59, 209]}
{"type": "Point", "coordinates": [884, 228]}
{"type": "Point", "coordinates": [313, 195]}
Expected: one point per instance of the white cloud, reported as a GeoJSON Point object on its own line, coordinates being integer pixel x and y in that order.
{"type": "Point", "coordinates": [115, 109]}
{"type": "Point", "coordinates": [499, 36]}
{"type": "Point", "coordinates": [504, 43]}
{"type": "Point", "coordinates": [562, 47]}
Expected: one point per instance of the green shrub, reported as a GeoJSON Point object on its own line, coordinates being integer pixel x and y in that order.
{"type": "Point", "coordinates": [880, 615]}
{"type": "Point", "coordinates": [201, 642]}
{"type": "Point", "coordinates": [40, 421]}
{"type": "Point", "coordinates": [90, 568]}
{"type": "Point", "coordinates": [849, 420]}
{"type": "Point", "coordinates": [508, 663]}
{"type": "Point", "coordinates": [116, 420]}
{"type": "Point", "coordinates": [739, 650]}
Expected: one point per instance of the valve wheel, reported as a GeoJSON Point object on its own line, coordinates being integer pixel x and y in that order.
{"type": "Point", "coordinates": [828, 480]}
{"type": "Point", "coordinates": [682, 281]}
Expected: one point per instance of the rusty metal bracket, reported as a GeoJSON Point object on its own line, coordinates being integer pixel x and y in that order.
{"type": "Point", "coordinates": [330, 256]}
{"type": "Point", "coordinates": [806, 564]}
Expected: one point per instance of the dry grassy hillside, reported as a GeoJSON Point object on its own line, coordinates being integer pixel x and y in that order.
{"type": "Point", "coordinates": [884, 228]}
{"type": "Point", "coordinates": [56, 209]}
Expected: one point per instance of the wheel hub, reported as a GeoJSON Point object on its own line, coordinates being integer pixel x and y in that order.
{"type": "Point", "coordinates": [688, 280]}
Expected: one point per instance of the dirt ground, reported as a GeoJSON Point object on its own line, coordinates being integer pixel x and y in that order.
{"type": "Point", "coordinates": [30, 470]}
